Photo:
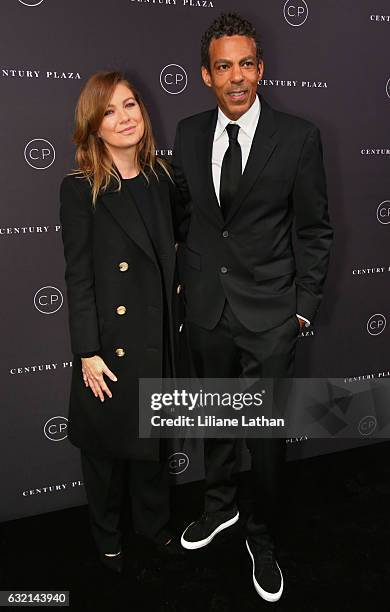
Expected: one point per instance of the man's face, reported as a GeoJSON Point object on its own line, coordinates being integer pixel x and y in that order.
{"type": "Point", "coordinates": [234, 73]}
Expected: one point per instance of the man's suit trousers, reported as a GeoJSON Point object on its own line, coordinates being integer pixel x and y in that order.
{"type": "Point", "coordinates": [232, 351]}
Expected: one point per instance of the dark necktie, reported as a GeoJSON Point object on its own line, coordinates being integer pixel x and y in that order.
{"type": "Point", "coordinates": [231, 170]}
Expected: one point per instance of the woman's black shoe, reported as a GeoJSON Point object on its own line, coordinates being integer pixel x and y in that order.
{"type": "Point", "coordinates": [115, 564]}
{"type": "Point", "coordinates": [171, 547]}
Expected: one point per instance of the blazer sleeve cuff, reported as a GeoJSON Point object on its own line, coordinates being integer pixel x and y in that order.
{"type": "Point", "coordinates": [86, 355]}
{"type": "Point", "coordinates": [307, 305]}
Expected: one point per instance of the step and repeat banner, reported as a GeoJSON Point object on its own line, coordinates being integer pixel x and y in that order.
{"type": "Point", "coordinates": [327, 61]}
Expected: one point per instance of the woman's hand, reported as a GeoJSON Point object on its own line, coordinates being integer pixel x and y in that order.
{"type": "Point", "coordinates": [93, 370]}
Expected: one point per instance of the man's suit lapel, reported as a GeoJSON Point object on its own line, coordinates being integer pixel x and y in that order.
{"type": "Point", "coordinates": [125, 212]}
{"type": "Point", "coordinates": [263, 145]}
{"type": "Point", "coordinates": [205, 149]}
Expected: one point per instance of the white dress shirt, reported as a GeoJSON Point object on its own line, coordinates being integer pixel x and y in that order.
{"type": "Point", "coordinates": [248, 124]}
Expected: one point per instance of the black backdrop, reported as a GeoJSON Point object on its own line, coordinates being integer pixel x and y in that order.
{"type": "Point", "coordinates": [325, 60]}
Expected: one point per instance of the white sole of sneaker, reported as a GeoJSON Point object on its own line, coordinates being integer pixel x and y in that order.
{"type": "Point", "coordinates": [264, 594]}
{"type": "Point", "coordinates": [200, 543]}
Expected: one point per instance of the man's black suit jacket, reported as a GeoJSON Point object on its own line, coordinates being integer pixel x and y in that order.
{"type": "Point", "coordinates": [269, 257]}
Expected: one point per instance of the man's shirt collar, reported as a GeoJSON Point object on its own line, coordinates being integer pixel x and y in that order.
{"type": "Point", "coordinates": [247, 121]}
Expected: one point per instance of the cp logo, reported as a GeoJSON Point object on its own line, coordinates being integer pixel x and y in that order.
{"type": "Point", "coordinates": [48, 300]}
{"type": "Point", "coordinates": [383, 212]}
{"type": "Point", "coordinates": [295, 12]}
{"type": "Point", "coordinates": [30, 2]}
{"type": "Point", "coordinates": [39, 154]}
{"type": "Point", "coordinates": [388, 88]}
{"type": "Point", "coordinates": [178, 463]}
{"type": "Point", "coordinates": [367, 425]}
{"type": "Point", "coordinates": [56, 428]}
{"type": "Point", "coordinates": [376, 324]}
{"type": "Point", "coordinates": [173, 79]}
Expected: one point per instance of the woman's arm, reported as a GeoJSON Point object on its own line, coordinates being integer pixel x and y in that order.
{"type": "Point", "coordinates": [181, 213]}
{"type": "Point", "coordinates": [76, 216]}
{"type": "Point", "coordinates": [180, 206]}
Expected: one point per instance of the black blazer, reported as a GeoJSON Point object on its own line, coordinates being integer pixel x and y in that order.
{"type": "Point", "coordinates": [111, 263]}
{"type": "Point", "coordinates": [269, 258]}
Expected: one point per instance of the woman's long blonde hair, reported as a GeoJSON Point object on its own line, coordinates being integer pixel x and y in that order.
{"type": "Point", "coordinates": [93, 159]}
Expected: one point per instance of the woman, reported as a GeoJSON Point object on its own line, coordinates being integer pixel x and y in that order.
{"type": "Point", "coordinates": [119, 242]}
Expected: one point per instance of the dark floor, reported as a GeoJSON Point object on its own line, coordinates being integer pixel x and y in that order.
{"type": "Point", "coordinates": [335, 553]}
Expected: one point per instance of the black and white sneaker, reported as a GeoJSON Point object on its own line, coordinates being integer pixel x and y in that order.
{"type": "Point", "coordinates": [201, 532]}
{"type": "Point", "coordinates": [266, 574]}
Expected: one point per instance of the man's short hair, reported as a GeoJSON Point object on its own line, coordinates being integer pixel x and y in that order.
{"type": "Point", "coordinates": [228, 24]}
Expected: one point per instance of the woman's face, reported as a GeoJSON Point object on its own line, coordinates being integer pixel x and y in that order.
{"type": "Point", "coordinates": [123, 125]}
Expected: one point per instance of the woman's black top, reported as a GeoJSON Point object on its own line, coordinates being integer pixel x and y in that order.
{"type": "Point", "coordinates": [138, 188]}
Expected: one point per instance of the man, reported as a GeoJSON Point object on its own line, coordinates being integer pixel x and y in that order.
{"type": "Point", "coordinates": [255, 261]}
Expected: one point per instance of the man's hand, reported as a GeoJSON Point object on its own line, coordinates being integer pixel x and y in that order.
{"type": "Point", "coordinates": [93, 370]}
